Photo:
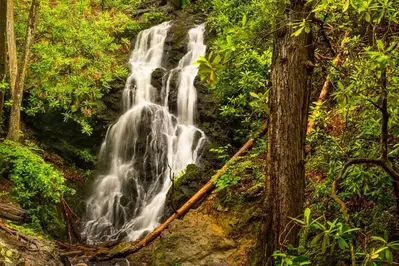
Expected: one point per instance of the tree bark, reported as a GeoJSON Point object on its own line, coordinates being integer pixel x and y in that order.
{"type": "Point", "coordinates": [15, 115]}
{"type": "Point", "coordinates": [289, 104]}
{"type": "Point", "coordinates": [11, 44]}
{"type": "Point", "coordinates": [3, 51]}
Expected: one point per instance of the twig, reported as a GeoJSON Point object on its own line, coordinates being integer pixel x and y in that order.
{"type": "Point", "coordinates": [172, 194]}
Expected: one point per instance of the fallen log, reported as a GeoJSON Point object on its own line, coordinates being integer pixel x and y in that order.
{"type": "Point", "coordinates": [326, 86]}
{"type": "Point", "coordinates": [125, 249]}
{"type": "Point", "coordinates": [20, 236]}
{"type": "Point", "coordinates": [12, 213]}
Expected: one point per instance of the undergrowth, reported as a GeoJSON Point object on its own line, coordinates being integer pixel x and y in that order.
{"type": "Point", "coordinates": [37, 186]}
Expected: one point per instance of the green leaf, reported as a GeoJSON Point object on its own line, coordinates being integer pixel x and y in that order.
{"type": "Point", "coordinates": [342, 243]}
{"type": "Point", "coordinates": [345, 5]}
{"type": "Point", "coordinates": [378, 238]}
{"type": "Point", "coordinates": [244, 20]}
{"type": "Point", "coordinates": [367, 17]}
{"type": "Point", "coordinates": [316, 239]}
{"type": "Point", "coordinates": [298, 32]}
{"type": "Point", "coordinates": [307, 216]}
{"type": "Point", "coordinates": [297, 220]}
{"type": "Point", "coordinates": [300, 259]}
{"type": "Point", "coordinates": [301, 249]}
{"type": "Point", "coordinates": [9, 253]}
{"type": "Point", "coordinates": [378, 251]}
{"type": "Point", "coordinates": [324, 243]}
{"type": "Point", "coordinates": [380, 45]}
{"type": "Point", "coordinates": [389, 256]}
{"type": "Point", "coordinates": [253, 94]}
{"type": "Point", "coordinates": [267, 109]}
{"type": "Point", "coordinates": [216, 60]}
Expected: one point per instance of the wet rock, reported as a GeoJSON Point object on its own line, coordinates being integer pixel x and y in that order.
{"type": "Point", "coordinates": [196, 240]}
{"type": "Point", "coordinates": [185, 187]}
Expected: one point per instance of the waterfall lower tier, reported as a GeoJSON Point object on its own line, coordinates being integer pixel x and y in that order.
{"type": "Point", "coordinates": [148, 145]}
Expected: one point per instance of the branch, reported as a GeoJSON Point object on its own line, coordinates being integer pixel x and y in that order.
{"type": "Point", "coordinates": [385, 118]}
{"type": "Point", "coordinates": [71, 221]}
{"type": "Point", "coordinates": [384, 165]}
{"type": "Point", "coordinates": [341, 175]}
{"type": "Point", "coordinates": [323, 33]}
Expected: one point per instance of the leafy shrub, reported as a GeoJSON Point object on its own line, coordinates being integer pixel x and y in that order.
{"type": "Point", "coordinates": [38, 187]}
{"type": "Point", "coordinates": [227, 180]}
{"type": "Point", "coordinates": [154, 17]}
{"type": "Point", "coordinates": [239, 63]}
{"type": "Point", "coordinates": [320, 237]}
{"type": "Point", "coordinates": [78, 56]}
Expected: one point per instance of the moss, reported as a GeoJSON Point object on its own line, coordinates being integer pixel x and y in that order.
{"type": "Point", "coordinates": [159, 255]}
{"type": "Point", "coordinates": [185, 187]}
{"type": "Point", "coordinates": [10, 256]}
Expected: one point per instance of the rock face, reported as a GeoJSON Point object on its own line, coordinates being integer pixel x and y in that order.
{"type": "Point", "coordinates": [196, 240]}
{"type": "Point", "coordinates": [219, 232]}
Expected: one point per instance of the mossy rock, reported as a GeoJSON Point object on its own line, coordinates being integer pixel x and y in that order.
{"type": "Point", "coordinates": [185, 187]}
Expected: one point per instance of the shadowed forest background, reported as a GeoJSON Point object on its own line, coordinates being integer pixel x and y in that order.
{"type": "Point", "coordinates": [298, 100]}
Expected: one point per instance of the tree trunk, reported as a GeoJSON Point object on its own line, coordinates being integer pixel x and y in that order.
{"type": "Point", "coordinates": [12, 46]}
{"type": "Point", "coordinates": [289, 104]}
{"type": "Point", "coordinates": [3, 51]}
{"type": "Point", "coordinates": [15, 115]}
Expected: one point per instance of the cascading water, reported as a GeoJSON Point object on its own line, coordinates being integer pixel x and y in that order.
{"type": "Point", "coordinates": [148, 145]}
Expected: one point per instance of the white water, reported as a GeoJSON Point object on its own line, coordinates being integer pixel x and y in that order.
{"type": "Point", "coordinates": [147, 145]}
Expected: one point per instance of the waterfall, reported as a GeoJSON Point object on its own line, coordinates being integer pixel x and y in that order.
{"type": "Point", "coordinates": [148, 145]}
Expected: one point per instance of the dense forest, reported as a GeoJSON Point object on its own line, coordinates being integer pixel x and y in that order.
{"type": "Point", "coordinates": [199, 132]}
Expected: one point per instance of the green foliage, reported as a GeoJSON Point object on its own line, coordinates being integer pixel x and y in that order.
{"type": "Point", "coordinates": [176, 262]}
{"type": "Point", "coordinates": [321, 238]}
{"type": "Point", "coordinates": [222, 152]}
{"type": "Point", "coordinates": [349, 124]}
{"type": "Point", "coordinates": [184, 3]}
{"type": "Point", "coordinates": [326, 236]}
{"type": "Point", "coordinates": [381, 254]}
{"type": "Point", "coordinates": [28, 230]}
{"type": "Point", "coordinates": [238, 170]}
{"type": "Point", "coordinates": [83, 154]}
{"type": "Point", "coordinates": [77, 56]}
{"type": "Point", "coordinates": [227, 180]}
{"type": "Point", "coordinates": [38, 187]}
{"type": "Point", "coordinates": [154, 17]}
{"type": "Point", "coordinates": [284, 259]}
{"type": "Point", "coordinates": [238, 65]}
{"type": "Point", "coordinates": [207, 68]}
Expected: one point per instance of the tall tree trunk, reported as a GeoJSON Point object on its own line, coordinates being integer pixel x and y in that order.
{"type": "Point", "coordinates": [15, 115]}
{"type": "Point", "coordinates": [289, 104]}
{"type": "Point", "coordinates": [12, 46]}
{"type": "Point", "coordinates": [3, 51]}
